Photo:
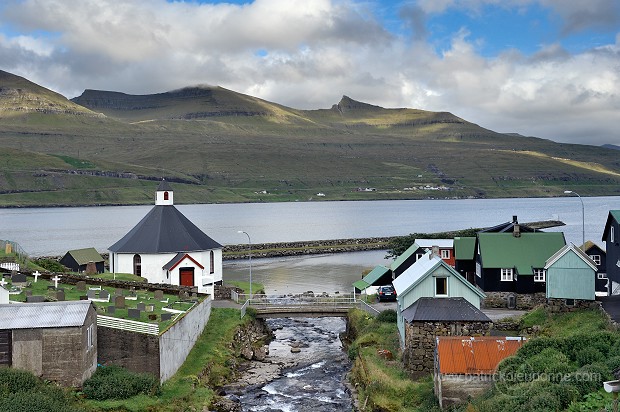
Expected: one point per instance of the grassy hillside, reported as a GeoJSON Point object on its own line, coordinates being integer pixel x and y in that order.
{"type": "Point", "coordinates": [221, 146]}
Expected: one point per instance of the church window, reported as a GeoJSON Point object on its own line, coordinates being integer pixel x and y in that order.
{"type": "Point", "coordinates": [137, 265]}
{"type": "Point", "coordinates": [212, 262]}
{"type": "Point", "coordinates": [166, 196]}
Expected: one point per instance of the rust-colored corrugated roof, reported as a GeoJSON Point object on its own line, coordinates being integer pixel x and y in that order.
{"type": "Point", "coordinates": [468, 355]}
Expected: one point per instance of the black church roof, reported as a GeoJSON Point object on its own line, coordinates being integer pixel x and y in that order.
{"type": "Point", "coordinates": [164, 230]}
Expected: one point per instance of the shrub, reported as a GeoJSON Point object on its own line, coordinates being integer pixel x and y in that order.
{"type": "Point", "coordinates": [551, 362]}
{"type": "Point", "coordinates": [17, 380]}
{"type": "Point", "coordinates": [114, 382]}
{"type": "Point", "coordinates": [589, 378]}
{"type": "Point", "coordinates": [387, 316]}
{"type": "Point", "coordinates": [588, 355]}
{"type": "Point", "coordinates": [34, 402]}
{"type": "Point", "coordinates": [51, 265]}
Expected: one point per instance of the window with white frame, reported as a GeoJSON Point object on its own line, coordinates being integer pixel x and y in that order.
{"type": "Point", "coordinates": [596, 259]}
{"type": "Point", "coordinates": [602, 275]}
{"type": "Point", "coordinates": [611, 234]}
{"type": "Point", "coordinates": [539, 275]}
{"type": "Point", "coordinates": [90, 336]}
{"type": "Point", "coordinates": [445, 253]}
{"type": "Point", "coordinates": [506, 275]}
{"type": "Point", "coordinates": [441, 286]}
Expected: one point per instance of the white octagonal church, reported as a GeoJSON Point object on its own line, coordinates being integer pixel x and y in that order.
{"type": "Point", "coordinates": [166, 247]}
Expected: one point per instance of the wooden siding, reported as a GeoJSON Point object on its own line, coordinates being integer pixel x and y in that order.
{"type": "Point", "coordinates": [457, 287]}
{"type": "Point", "coordinates": [613, 251]}
{"type": "Point", "coordinates": [570, 278]}
{"type": "Point", "coordinates": [5, 347]}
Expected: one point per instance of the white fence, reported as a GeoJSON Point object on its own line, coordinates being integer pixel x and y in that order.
{"type": "Point", "coordinates": [129, 325]}
{"type": "Point", "coordinates": [10, 266]}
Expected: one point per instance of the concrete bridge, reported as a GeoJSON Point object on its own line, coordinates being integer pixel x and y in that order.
{"type": "Point", "coordinates": [305, 306]}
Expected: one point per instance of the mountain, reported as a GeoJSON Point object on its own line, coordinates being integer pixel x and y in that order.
{"type": "Point", "coordinates": [218, 145]}
{"type": "Point", "coordinates": [19, 97]}
{"type": "Point", "coordinates": [611, 146]}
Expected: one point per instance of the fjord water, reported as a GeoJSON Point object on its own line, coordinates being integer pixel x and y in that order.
{"type": "Point", "coordinates": [53, 231]}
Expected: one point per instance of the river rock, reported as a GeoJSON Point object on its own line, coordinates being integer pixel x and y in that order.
{"type": "Point", "coordinates": [261, 353]}
{"type": "Point", "coordinates": [221, 404]}
{"type": "Point", "coordinates": [295, 349]}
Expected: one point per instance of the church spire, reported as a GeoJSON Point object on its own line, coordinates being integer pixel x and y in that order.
{"type": "Point", "coordinates": [164, 195]}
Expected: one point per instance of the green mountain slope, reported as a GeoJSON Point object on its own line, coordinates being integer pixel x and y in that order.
{"type": "Point", "coordinates": [221, 146]}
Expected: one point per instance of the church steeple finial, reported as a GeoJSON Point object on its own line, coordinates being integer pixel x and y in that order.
{"type": "Point", "coordinates": [164, 196]}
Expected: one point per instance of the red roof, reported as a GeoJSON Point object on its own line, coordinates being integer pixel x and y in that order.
{"type": "Point", "coordinates": [468, 355]}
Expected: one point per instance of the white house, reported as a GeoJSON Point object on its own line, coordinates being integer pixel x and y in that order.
{"type": "Point", "coordinates": [166, 247]}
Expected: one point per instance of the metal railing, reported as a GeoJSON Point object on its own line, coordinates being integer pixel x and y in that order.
{"type": "Point", "coordinates": [305, 304]}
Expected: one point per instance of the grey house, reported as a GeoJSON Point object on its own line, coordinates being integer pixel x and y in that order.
{"type": "Point", "coordinates": [56, 341]}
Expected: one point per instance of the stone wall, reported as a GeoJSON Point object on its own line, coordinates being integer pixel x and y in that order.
{"type": "Point", "coordinates": [419, 352]}
{"type": "Point", "coordinates": [452, 390]}
{"type": "Point", "coordinates": [524, 301]}
{"type": "Point", "coordinates": [555, 305]}
{"type": "Point", "coordinates": [176, 342]}
{"type": "Point", "coordinates": [137, 352]}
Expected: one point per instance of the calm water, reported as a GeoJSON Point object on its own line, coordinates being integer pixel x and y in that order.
{"type": "Point", "coordinates": [53, 231]}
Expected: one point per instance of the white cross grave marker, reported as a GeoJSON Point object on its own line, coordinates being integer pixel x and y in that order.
{"type": "Point", "coordinates": [36, 276]}
{"type": "Point", "coordinates": [3, 282]}
{"type": "Point", "coordinates": [56, 279]}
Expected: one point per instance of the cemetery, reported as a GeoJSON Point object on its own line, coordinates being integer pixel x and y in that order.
{"type": "Point", "coordinates": [132, 302]}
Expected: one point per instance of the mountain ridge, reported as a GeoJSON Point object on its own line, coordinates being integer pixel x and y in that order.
{"type": "Point", "coordinates": [223, 146]}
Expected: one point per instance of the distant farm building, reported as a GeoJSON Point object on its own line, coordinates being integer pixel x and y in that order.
{"type": "Point", "coordinates": [83, 260]}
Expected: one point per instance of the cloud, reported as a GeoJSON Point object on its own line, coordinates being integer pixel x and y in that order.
{"type": "Point", "coordinates": [308, 54]}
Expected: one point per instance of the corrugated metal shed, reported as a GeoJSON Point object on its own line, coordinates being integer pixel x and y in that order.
{"type": "Point", "coordinates": [44, 315]}
{"type": "Point", "coordinates": [404, 256]}
{"type": "Point", "coordinates": [375, 275]}
{"type": "Point", "coordinates": [465, 355]}
{"type": "Point", "coordinates": [443, 310]}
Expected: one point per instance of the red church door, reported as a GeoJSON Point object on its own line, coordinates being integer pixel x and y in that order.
{"type": "Point", "coordinates": [186, 276]}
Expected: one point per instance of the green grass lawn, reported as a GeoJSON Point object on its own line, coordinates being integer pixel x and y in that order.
{"type": "Point", "coordinates": [45, 287]}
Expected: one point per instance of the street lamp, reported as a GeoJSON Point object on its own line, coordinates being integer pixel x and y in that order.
{"type": "Point", "coordinates": [250, 244]}
{"type": "Point", "coordinates": [583, 219]}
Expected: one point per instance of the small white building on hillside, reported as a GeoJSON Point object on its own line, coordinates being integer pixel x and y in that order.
{"type": "Point", "coordinates": [166, 247]}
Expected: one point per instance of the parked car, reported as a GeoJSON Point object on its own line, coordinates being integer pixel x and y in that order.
{"type": "Point", "coordinates": [385, 293]}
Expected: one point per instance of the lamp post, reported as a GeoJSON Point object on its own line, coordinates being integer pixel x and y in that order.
{"type": "Point", "coordinates": [583, 219]}
{"type": "Point", "coordinates": [250, 244]}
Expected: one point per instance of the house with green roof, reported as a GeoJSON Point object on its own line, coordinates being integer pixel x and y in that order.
{"type": "Point", "coordinates": [515, 261]}
{"type": "Point", "coordinates": [77, 260]}
{"type": "Point", "coordinates": [611, 237]}
{"type": "Point", "coordinates": [465, 257]}
{"type": "Point", "coordinates": [379, 276]}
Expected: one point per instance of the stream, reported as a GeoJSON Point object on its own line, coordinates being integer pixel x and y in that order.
{"type": "Point", "coordinates": [312, 379]}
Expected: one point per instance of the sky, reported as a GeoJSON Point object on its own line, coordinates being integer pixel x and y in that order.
{"type": "Point", "coordinates": [544, 68]}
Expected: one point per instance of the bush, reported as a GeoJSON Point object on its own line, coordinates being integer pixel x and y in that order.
{"type": "Point", "coordinates": [387, 316]}
{"type": "Point", "coordinates": [589, 378]}
{"type": "Point", "coordinates": [16, 380]}
{"type": "Point", "coordinates": [589, 355]}
{"type": "Point", "coordinates": [51, 265]}
{"type": "Point", "coordinates": [114, 382]}
{"type": "Point", "coordinates": [35, 402]}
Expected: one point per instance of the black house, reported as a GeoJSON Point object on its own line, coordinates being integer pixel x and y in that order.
{"type": "Point", "coordinates": [611, 237]}
{"type": "Point", "coordinates": [78, 260]}
{"type": "Point", "coordinates": [599, 257]}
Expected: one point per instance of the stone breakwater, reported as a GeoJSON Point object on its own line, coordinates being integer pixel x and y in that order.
{"type": "Point", "coordinates": [265, 250]}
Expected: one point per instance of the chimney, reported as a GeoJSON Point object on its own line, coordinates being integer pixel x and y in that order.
{"type": "Point", "coordinates": [435, 252]}
{"type": "Point", "coordinates": [514, 218]}
{"type": "Point", "coordinates": [516, 230]}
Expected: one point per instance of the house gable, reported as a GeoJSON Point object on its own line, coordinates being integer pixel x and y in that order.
{"type": "Point", "coordinates": [570, 274]}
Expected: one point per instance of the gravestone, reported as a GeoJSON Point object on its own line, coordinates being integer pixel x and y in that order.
{"type": "Point", "coordinates": [183, 295]}
{"type": "Point", "coordinates": [111, 310]}
{"type": "Point", "coordinates": [118, 292]}
{"type": "Point", "coordinates": [166, 316]}
{"type": "Point", "coordinates": [159, 294]}
{"type": "Point", "coordinates": [141, 306]}
{"type": "Point", "coordinates": [149, 308]}
{"type": "Point", "coordinates": [119, 302]}
{"type": "Point", "coordinates": [60, 295]}
{"type": "Point", "coordinates": [50, 287]}
{"type": "Point", "coordinates": [92, 294]}
{"type": "Point", "coordinates": [91, 268]}
{"type": "Point", "coordinates": [35, 299]}
{"type": "Point", "coordinates": [104, 294]}
{"type": "Point", "coordinates": [81, 286]}
{"type": "Point", "coordinates": [133, 313]}
{"type": "Point", "coordinates": [194, 295]}
{"type": "Point", "coordinates": [152, 316]}
{"type": "Point", "coordinates": [28, 292]}
{"type": "Point", "coordinates": [18, 279]}
{"type": "Point", "coordinates": [83, 297]}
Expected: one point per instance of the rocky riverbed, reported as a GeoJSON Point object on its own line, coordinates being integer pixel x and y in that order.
{"type": "Point", "coordinates": [304, 369]}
